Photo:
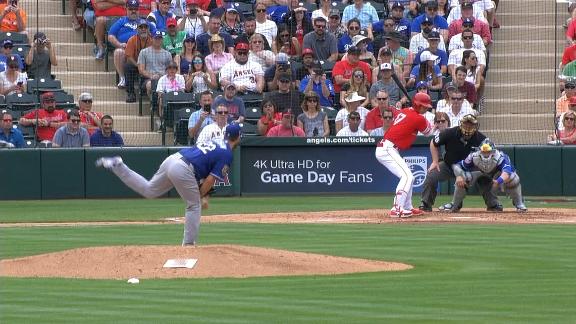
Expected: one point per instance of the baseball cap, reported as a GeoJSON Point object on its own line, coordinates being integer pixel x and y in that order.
{"type": "Point", "coordinates": [397, 4]}
{"type": "Point", "coordinates": [467, 21]}
{"type": "Point", "coordinates": [432, 4]}
{"type": "Point", "coordinates": [287, 113]}
{"type": "Point", "coordinates": [570, 83]}
{"type": "Point", "coordinates": [191, 38]}
{"type": "Point", "coordinates": [572, 101]}
{"type": "Point", "coordinates": [434, 35]}
{"type": "Point", "coordinates": [427, 20]}
{"type": "Point", "coordinates": [85, 96]}
{"type": "Point", "coordinates": [385, 51]}
{"type": "Point", "coordinates": [284, 77]}
{"type": "Point", "coordinates": [171, 22]}
{"type": "Point", "coordinates": [451, 86]}
{"type": "Point", "coordinates": [158, 34]}
{"type": "Point", "coordinates": [427, 56]}
{"type": "Point", "coordinates": [39, 35]}
{"type": "Point", "coordinates": [358, 38]}
{"type": "Point", "coordinates": [466, 5]}
{"type": "Point", "coordinates": [421, 84]}
{"type": "Point", "coordinates": [192, 2]}
{"type": "Point", "coordinates": [47, 96]}
{"type": "Point", "coordinates": [353, 50]}
{"type": "Point", "coordinates": [334, 12]}
{"type": "Point", "coordinates": [7, 42]}
{"type": "Point", "coordinates": [242, 46]}
{"type": "Point", "coordinates": [231, 7]}
{"type": "Point", "coordinates": [385, 66]}
{"type": "Point", "coordinates": [232, 131]}
{"type": "Point", "coordinates": [307, 51]}
{"type": "Point", "coordinates": [282, 58]}
{"type": "Point", "coordinates": [142, 22]}
{"type": "Point", "coordinates": [132, 4]}
{"type": "Point", "coordinates": [230, 85]}
{"type": "Point", "coordinates": [393, 35]}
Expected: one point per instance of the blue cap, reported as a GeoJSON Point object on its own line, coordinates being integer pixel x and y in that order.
{"type": "Point", "coordinates": [158, 34]}
{"type": "Point", "coordinates": [397, 4]}
{"type": "Point", "coordinates": [232, 131]}
{"type": "Point", "coordinates": [468, 20]}
{"type": "Point", "coordinates": [421, 84]}
{"type": "Point", "coordinates": [132, 3]}
{"type": "Point", "coordinates": [427, 20]}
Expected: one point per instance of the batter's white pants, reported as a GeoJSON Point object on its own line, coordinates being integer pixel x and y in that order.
{"type": "Point", "coordinates": [388, 156]}
{"type": "Point", "coordinates": [173, 173]}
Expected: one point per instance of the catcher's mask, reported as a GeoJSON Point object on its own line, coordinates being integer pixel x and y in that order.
{"type": "Point", "coordinates": [468, 125]}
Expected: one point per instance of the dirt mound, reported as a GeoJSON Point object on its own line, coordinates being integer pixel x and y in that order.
{"type": "Point", "coordinates": [123, 262]}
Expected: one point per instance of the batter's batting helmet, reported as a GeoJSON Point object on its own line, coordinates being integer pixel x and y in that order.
{"type": "Point", "coordinates": [421, 102]}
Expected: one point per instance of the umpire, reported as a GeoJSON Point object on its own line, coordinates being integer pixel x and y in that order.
{"type": "Point", "coordinates": [458, 143]}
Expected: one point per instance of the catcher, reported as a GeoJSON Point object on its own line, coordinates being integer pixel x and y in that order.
{"type": "Point", "coordinates": [487, 161]}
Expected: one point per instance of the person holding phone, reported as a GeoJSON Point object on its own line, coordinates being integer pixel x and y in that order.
{"type": "Point", "coordinates": [12, 80]}
{"type": "Point", "coordinates": [201, 117]}
{"type": "Point", "coordinates": [41, 57]}
{"type": "Point", "coordinates": [12, 18]}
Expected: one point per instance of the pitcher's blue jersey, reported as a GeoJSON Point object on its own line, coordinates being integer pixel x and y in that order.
{"type": "Point", "coordinates": [213, 158]}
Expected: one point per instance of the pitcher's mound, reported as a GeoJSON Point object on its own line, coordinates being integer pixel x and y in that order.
{"type": "Point", "coordinates": [122, 262]}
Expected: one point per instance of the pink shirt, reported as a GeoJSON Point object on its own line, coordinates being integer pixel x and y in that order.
{"type": "Point", "coordinates": [481, 28]}
{"type": "Point", "coordinates": [216, 61]}
{"type": "Point", "coordinates": [280, 131]}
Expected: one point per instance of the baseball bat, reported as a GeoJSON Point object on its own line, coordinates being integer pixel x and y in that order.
{"type": "Point", "coordinates": [401, 86]}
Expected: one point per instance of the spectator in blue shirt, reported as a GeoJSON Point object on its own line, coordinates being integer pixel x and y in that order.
{"type": "Point", "coordinates": [432, 13]}
{"type": "Point", "coordinates": [401, 24]}
{"type": "Point", "coordinates": [160, 16]}
{"type": "Point", "coordinates": [202, 117]}
{"type": "Point", "coordinates": [318, 83]}
{"type": "Point", "coordinates": [120, 33]}
{"type": "Point", "coordinates": [105, 136]}
{"type": "Point", "coordinates": [363, 12]}
{"type": "Point", "coordinates": [433, 42]}
{"type": "Point", "coordinates": [235, 105]}
{"type": "Point", "coordinates": [345, 42]}
{"type": "Point", "coordinates": [6, 52]}
{"type": "Point", "coordinates": [9, 134]}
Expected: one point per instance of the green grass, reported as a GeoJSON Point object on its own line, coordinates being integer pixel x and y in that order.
{"type": "Point", "coordinates": [463, 273]}
{"type": "Point", "coordinates": [155, 209]}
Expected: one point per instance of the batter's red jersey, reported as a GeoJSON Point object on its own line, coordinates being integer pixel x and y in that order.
{"type": "Point", "coordinates": [405, 127]}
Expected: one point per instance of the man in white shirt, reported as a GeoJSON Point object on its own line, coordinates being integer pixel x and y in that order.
{"type": "Point", "coordinates": [455, 58]}
{"type": "Point", "coordinates": [193, 23]}
{"type": "Point", "coordinates": [246, 75]}
{"type": "Point", "coordinates": [217, 128]}
{"type": "Point", "coordinates": [419, 41]}
{"type": "Point", "coordinates": [353, 128]}
{"type": "Point", "coordinates": [456, 40]}
{"type": "Point", "coordinates": [455, 108]}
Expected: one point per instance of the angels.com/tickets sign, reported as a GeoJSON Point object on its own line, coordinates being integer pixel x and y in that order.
{"type": "Point", "coordinates": [325, 169]}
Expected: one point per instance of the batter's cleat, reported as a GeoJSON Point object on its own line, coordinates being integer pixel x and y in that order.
{"type": "Point", "coordinates": [402, 213]}
{"type": "Point", "coordinates": [417, 212]}
{"type": "Point", "coordinates": [108, 162]}
{"type": "Point", "coordinates": [496, 208]}
{"type": "Point", "coordinates": [425, 207]}
{"type": "Point", "coordinates": [449, 208]}
{"type": "Point", "coordinates": [521, 208]}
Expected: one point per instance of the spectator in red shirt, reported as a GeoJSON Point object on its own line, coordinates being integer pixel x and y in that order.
{"type": "Point", "coordinates": [468, 88]}
{"type": "Point", "coordinates": [270, 117]}
{"type": "Point", "coordinates": [47, 119]}
{"type": "Point", "coordinates": [88, 118]}
{"type": "Point", "coordinates": [286, 127]}
{"type": "Point", "coordinates": [343, 69]}
{"type": "Point", "coordinates": [568, 56]}
{"type": "Point", "coordinates": [381, 105]}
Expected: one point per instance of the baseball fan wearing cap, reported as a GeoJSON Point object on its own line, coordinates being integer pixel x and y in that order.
{"type": "Point", "coordinates": [192, 22]}
{"type": "Point", "coordinates": [400, 136]}
{"type": "Point", "coordinates": [428, 34]}
{"type": "Point", "coordinates": [246, 75]}
{"type": "Point", "coordinates": [456, 41]}
{"type": "Point", "coordinates": [318, 83]}
{"type": "Point", "coordinates": [46, 119]}
{"type": "Point", "coordinates": [173, 40]}
{"type": "Point", "coordinates": [342, 71]}
{"type": "Point", "coordinates": [458, 142]}
{"type": "Point", "coordinates": [431, 13]}
{"type": "Point", "coordinates": [6, 52]}
{"type": "Point", "coordinates": [401, 24]}
{"type": "Point", "coordinates": [192, 171]}
{"type": "Point", "coordinates": [427, 71]}
{"type": "Point", "coordinates": [159, 18]}
{"type": "Point", "coordinates": [434, 42]}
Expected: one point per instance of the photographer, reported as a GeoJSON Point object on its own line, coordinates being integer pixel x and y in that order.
{"type": "Point", "coordinates": [201, 117]}
{"type": "Point", "coordinates": [194, 23]}
{"type": "Point", "coordinates": [318, 83]}
{"type": "Point", "coordinates": [13, 18]}
{"type": "Point", "coordinates": [41, 57]}
{"type": "Point", "coordinates": [282, 66]}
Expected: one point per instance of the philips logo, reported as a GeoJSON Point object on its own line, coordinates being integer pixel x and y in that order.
{"type": "Point", "coordinates": [419, 166]}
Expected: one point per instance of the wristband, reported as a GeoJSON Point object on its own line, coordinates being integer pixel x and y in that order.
{"type": "Point", "coordinates": [500, 180]}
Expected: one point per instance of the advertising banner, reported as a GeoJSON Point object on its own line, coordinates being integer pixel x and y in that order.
{"type": "Point", "coordinates": [320, 169]}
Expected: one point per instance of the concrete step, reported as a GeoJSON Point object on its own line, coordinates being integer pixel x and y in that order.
{"type": "Point", "coordinates": [499, 60]}
{"type": "Point", "coordinates": [70, 78]}
{"type": "Point", "coordinates": [64, 34]}
{"type": "Point", "coordinates": [81, 64]}
{"type": "Point", "coordinates": [523, 121]}
{"type": "Point", "coordinates": [528, 32]}
{"type": "Point", "coordinates": [507, 106]}
{"type": "Point", "coordinates": [75, 49]}
{"type": "Point", "coordinates": [527, 6]}
{"type": "Point", "coordinates": [45, 7]}
{"type": "Point", "coordinates": [536, 18]}
{"type": "Point", "coordinates": [109, 93]}
{"type": "Point", "coordinates": [528, 46]}
{"type": "Point", "coordinates": [535, 91]}
{"type": "Point", "coordinates": [131, 123]}
{"type": "Point", "coordinates": [55, 21]}
{"type": "Point", "coordinates": [146, 138]}
{"type": "Point", "coordinates": [119, 108]}
{"type": "Point", "coordinates": [517, 136]}
{"type": "Point", "coordinates": [516, 75]}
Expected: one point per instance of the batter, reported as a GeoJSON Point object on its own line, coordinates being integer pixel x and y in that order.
{"type": "Point", "coordinates": [400, 136]}
{"type": "Point", "coordinates": [192, 171]}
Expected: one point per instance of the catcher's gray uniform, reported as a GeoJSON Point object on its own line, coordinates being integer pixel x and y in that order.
{"type": "Point", "coordinates": [493, 163]}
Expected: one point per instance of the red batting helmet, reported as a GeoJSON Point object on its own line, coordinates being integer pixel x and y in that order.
{"type": "Point", "coordinates": [421, 102]}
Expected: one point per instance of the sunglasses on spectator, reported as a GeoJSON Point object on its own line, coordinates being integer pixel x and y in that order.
{"type": "Point", "coordinates": [312, 99]}
{"type": "Point", "coordinates": [467, 37]}
{"type": "Point", "coordinates": [354, 28]}
{"type": "Point", "coordinates": [570, 86]}
{"type": "Point", "coordinates": [197, 62]}
{"type": "Point", "coordinates": [75, 120]}
{"type": "Point", "coordinates": [440, 121]}
{"type": "Point", "coordinates": [358, 75]}
{"type": "Point", "coordinates": [9, 46]}
{"type": "Point", "coordinates": [7, 120]}
{"type": "Point", "coordinates": [457, 98]}
{"type": "Point", "coordinates": [387, 117]}
{"type": "Point", "coordinates": [260, 10]}
{"type": "Point", "coordinates": [242, 53]}
{"type": "Point", "coordinates": [382, 98]}
{"type": "Point", "coordinates": [566, 118]}
{"type": "Point", "coordinates": [284, 81]}
{"type": "Point", "coordinates": [87, 101]}
{"type": "Point", "coordinates": [257, 42]}
{"type": "Point", "coordinates": [222, 112]}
